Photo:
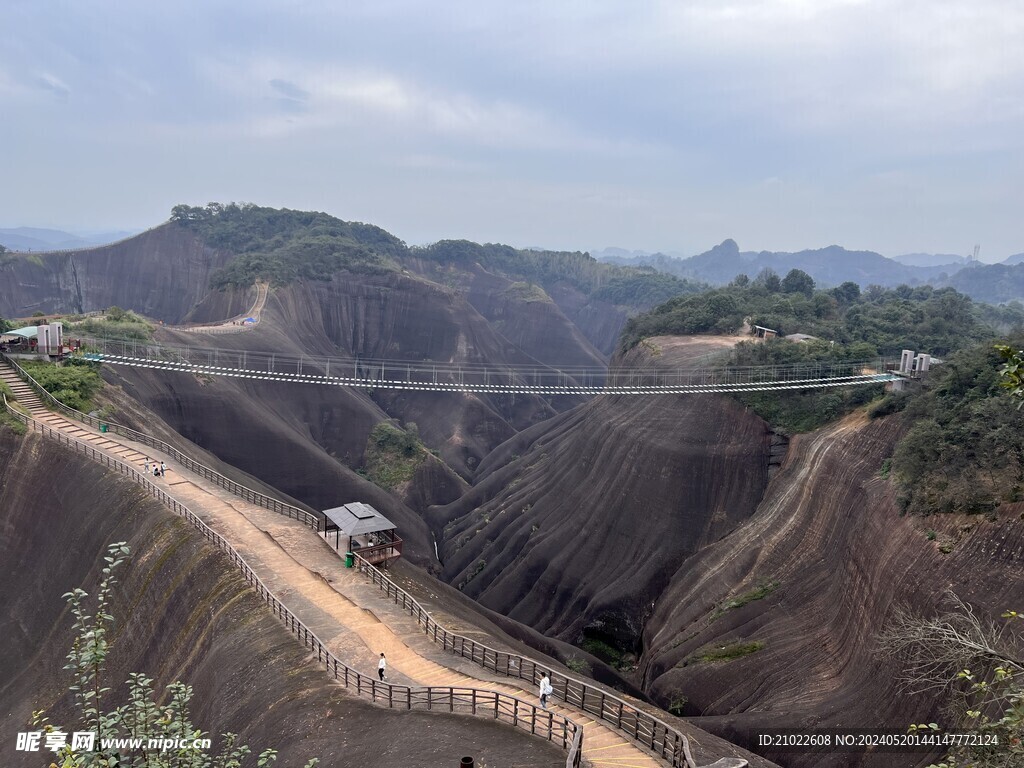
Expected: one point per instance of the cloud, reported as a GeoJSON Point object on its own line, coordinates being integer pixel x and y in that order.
{"type": "Point", "coordinates": [291, 98]}
{"type": "Point", "coordinates": [54, 85]}
{"type": "Point", "coordinates": [770, 120]}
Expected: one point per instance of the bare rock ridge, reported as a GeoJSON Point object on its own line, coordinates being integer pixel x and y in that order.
{"type": "Point", "coordinates": [163, 273]}
{"type": "Point", "coordinates": [184, 614]}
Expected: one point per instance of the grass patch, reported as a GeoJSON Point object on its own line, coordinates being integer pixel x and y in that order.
{"type": "Point", "coordinates": [393, 455]}
{"type": "Point", "coordinates": [9, 422]}
{"type": "Point", "coordinates": [6, 420]}
{"type": "Point", "coordinates": [604, 651]}
{"type": "Point", "coordinates": [759, 592]}
{"type": "Point", "coordinates": [577, 665]}
{"type": "Point", "coordinates": [116, 322]}
{"type": "Point", "coordinates": [528, 292]}
{"type": "Point", "coordinates": [737, 650]}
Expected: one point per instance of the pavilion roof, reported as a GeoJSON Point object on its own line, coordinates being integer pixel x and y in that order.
{"type": "Point", "coordinates": [356, 517]}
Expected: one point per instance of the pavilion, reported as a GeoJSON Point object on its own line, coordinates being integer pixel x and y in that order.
{"type": "Point", "coordinates": [364, 530]}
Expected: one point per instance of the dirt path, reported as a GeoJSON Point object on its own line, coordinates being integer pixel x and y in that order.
{"type": "Point", "coordinates": [347, 612]}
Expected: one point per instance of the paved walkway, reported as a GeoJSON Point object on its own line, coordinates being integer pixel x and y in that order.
{"type": "Point", "coordinates": [234, 325]}
{"type": "Point", "coordinates": [348, 613]}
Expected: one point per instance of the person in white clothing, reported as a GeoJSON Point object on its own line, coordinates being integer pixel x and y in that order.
{"type": "Point", "coordinates": [381, 666]}
{"type": "Point", "coordinates": [545, 690]}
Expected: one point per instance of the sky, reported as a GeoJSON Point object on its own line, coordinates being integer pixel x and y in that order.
{"type": "Point", "coordinates": [783, 124]}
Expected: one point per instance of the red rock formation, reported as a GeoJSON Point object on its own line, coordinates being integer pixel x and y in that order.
{"type": "Point", "coordinates": [831, 536]}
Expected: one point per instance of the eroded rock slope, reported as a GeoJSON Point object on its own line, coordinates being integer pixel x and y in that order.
{"type": "Point", "coordinates": [183, 613]}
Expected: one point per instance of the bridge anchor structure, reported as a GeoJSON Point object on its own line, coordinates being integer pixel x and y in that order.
{"type": "Point", "coordinates": [431, 376]}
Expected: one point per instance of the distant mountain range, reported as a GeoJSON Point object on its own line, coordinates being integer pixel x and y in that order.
{"type": "Point", "coordinates": [36, 239]}
{"type": "Point", "coordinates": [834, 265]}
{"type": "Point", "coordinates": [930, 259]}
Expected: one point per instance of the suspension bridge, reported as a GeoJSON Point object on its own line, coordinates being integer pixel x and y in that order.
{"type": "Point", "coordinates": [430, 376]}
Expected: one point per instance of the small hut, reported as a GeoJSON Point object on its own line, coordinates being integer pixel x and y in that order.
{"type": "Point", "coordinates": [364, 530]}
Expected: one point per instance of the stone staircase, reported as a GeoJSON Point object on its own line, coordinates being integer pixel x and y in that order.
{"type": "Point", "coordinates": [33, 403]}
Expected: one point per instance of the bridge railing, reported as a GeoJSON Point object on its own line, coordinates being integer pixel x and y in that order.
{"type": "Point", "coordinates": [441, 376]}
{"type": "Point", "coordinates": [638, 725]}
{"type": "Point", "coordinates": [553, 727]}
{"type": "Point", "coordinates": [237, 489]}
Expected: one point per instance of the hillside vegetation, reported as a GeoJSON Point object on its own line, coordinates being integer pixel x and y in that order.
{"type": "Point", "coordinates": [991, 282]}
{"type": "Point", "coordinates": [923, 318]}
{"type": "Point", "coordinates": [964, 448]}
{"type": "Point", "coordinates": [849, 325]}
{"type": "Point", "coordinates": [73, 384]}
{"type": "Point", "coordinates": [282, 246]}
{"type": "Point", "coordinates": [627, 286]}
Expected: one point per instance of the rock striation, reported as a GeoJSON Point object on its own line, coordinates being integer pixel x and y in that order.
{"type": "Point", "coordinates": [577, 526]}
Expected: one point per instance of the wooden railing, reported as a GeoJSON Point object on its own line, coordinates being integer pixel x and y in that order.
{"type": "Point", "coordinates": [641, 727]}
{"type": "Point", "coordinates": [555, 728]}
{"type": "Point", "coordinates": [259, 499]}
{"type": "Point", "coordinates": [381, 552]}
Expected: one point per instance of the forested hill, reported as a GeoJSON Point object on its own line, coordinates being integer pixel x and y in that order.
{"type": "Point", "coordinates": [991, 282]}
{"type": "Point", "coordinates": [843, 323]}
{"type": "Point", "coordinates": [282, 245]}
{"type": "Point", "coordinates": [881, 321]}
{"type": "Point", "coordinates": [628, 286]}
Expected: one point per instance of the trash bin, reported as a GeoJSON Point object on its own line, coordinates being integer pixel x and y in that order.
{"type": "Point", "coordinates": [103, 428]}
{"type": "Point", "coordinates": [350, 559]}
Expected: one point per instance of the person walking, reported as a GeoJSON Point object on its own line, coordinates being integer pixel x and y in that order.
{"type": "Point", "coordinates": [163, 468]}
{"type": "Point", "coordinates": [147, 465]}
{"type": "Point", "coordinates": [545, 690]}
{"type": "Point", "coordinates": [381, 666]}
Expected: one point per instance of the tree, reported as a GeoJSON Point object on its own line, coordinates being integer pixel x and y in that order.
{"type": "Point", "coordinates": [769, 278]}
{"type": "Point", "coordinates": [798, 281]}
{"type": "Point", "coordinates": [146, 715]}
{"type": "Point", "coordinates": [1012, 372]}
{"type": "Point", "coordinates": [977, 664]}
{"type": "Point", "coordinates": [741, 281]}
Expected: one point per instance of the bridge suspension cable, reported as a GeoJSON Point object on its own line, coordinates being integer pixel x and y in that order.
{"type": "Point", "coordinates": [429, 376]}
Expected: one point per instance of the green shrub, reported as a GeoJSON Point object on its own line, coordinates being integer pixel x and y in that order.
{"type": "Point", "coordinates": [393, 455]}
{"type": "Point", "coordinates": [678, 704]}
{"type": "Point", "coordinates": [603, 650]}
{"type": "Point", "coordinates": [6, 419]}
{"type": "Point", "coordinates": [73, 385]}
{"type": "Point", "coordinates": [964, 446]}
{"type": "Point", "coordinates": [578, 665]}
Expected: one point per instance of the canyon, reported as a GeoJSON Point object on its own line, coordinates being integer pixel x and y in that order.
{"type": "Point", "coordinates": [629, 534]}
